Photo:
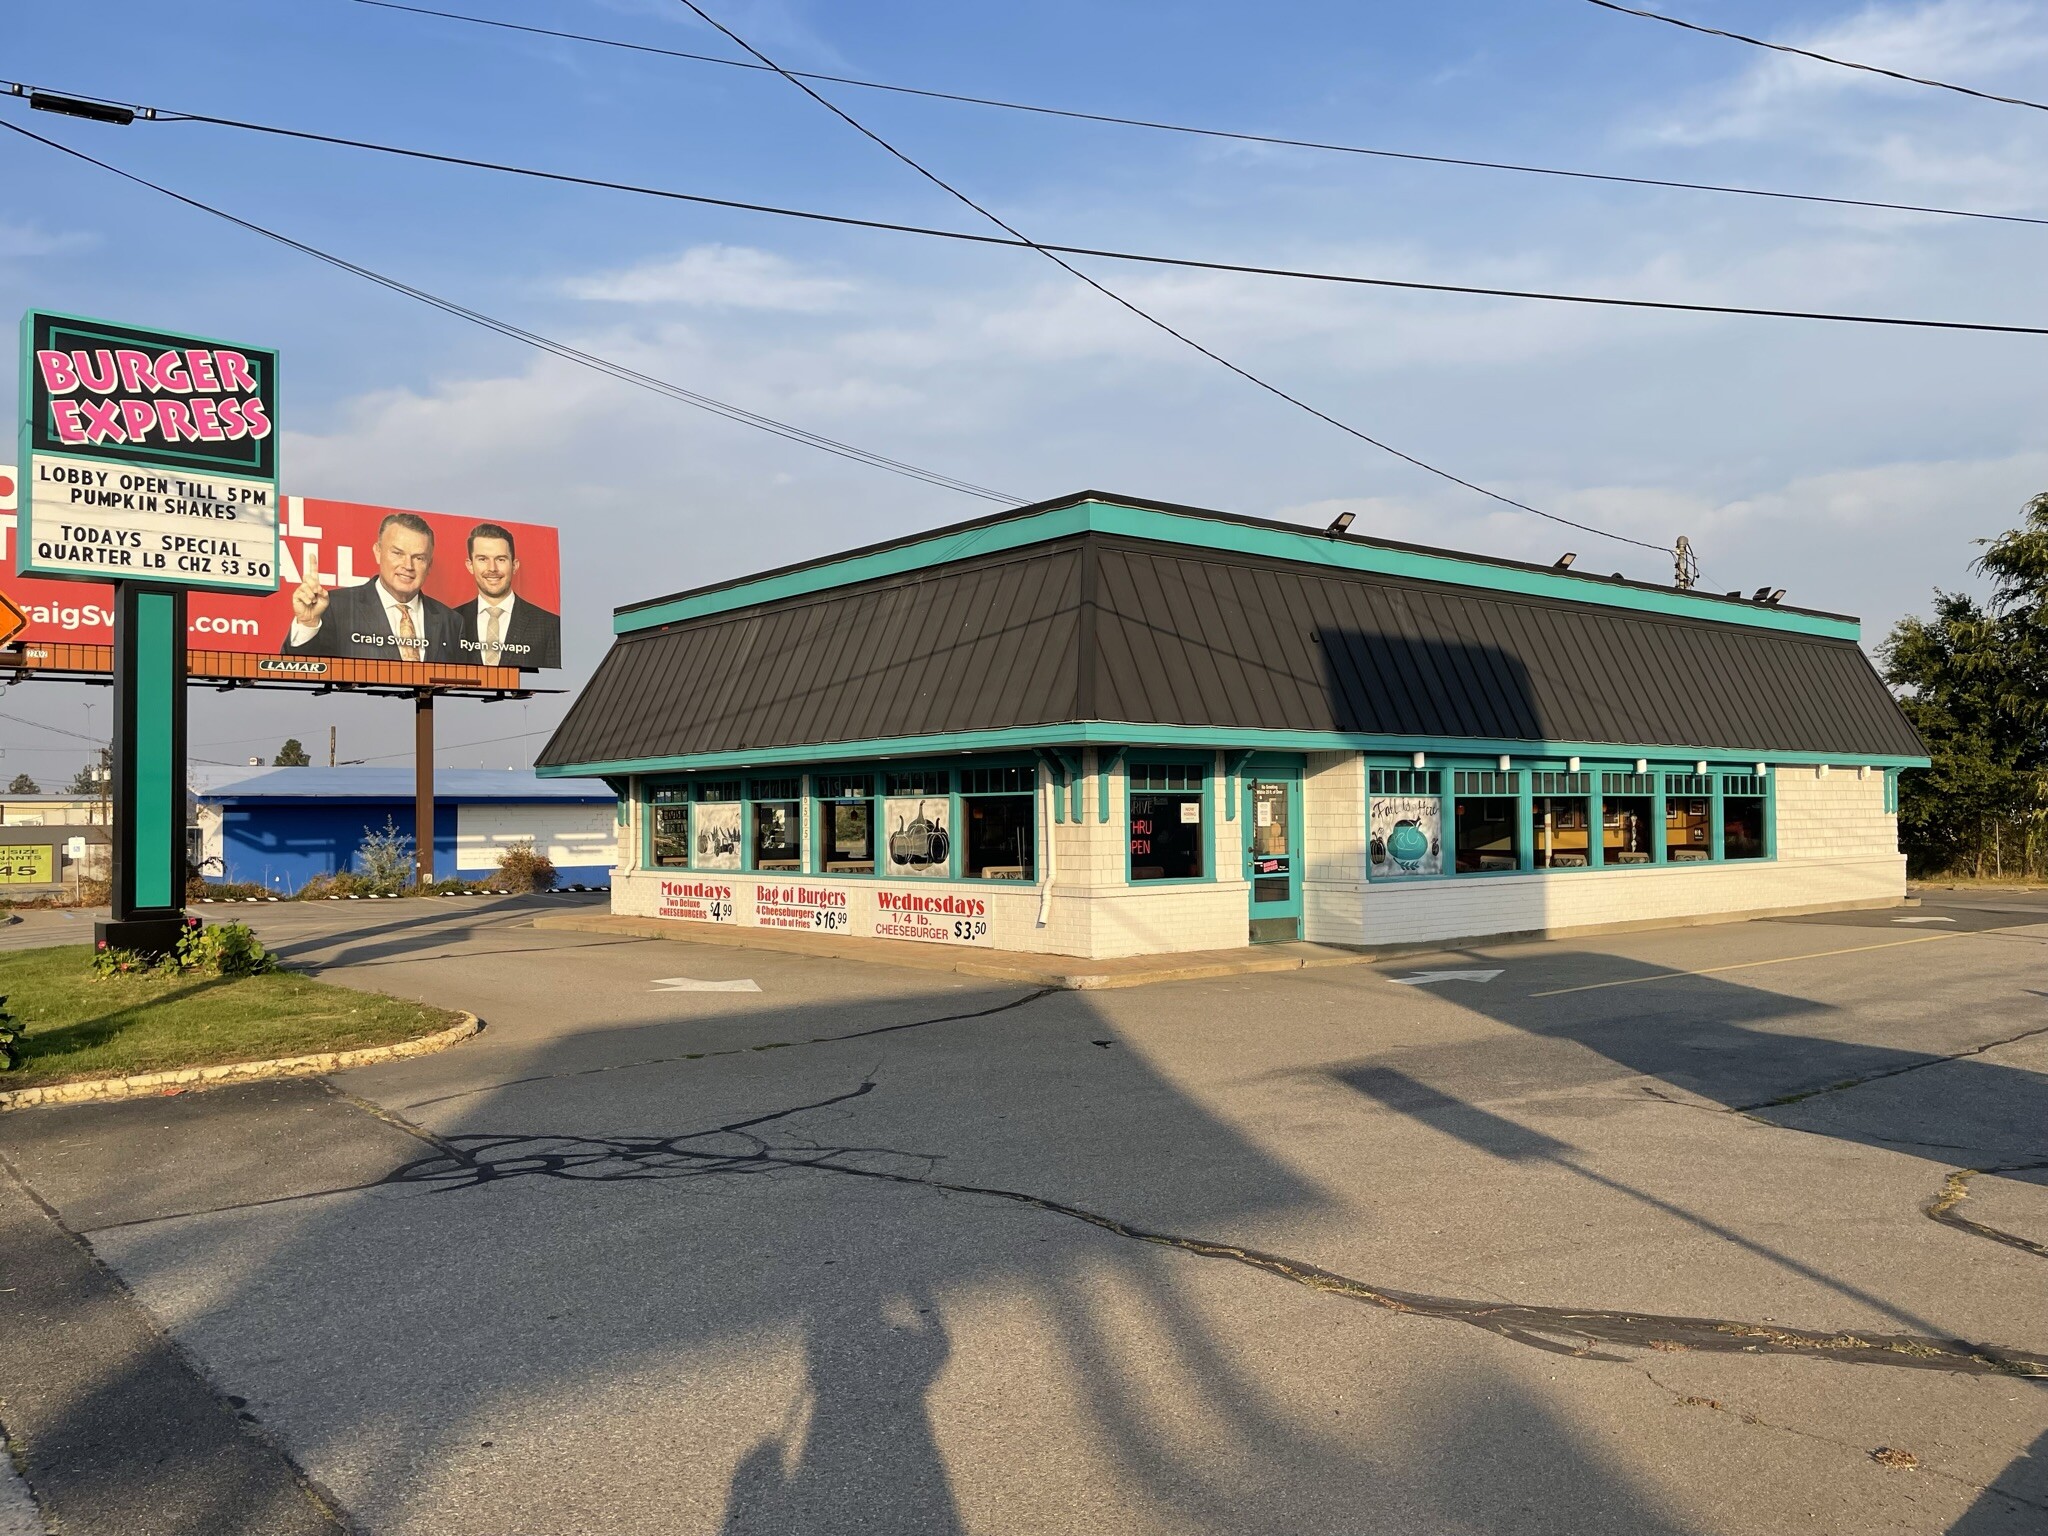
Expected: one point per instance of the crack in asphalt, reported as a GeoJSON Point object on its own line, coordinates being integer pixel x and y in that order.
{"type": "Point", "coordinates": [481, 1159]}
{"type": "Point", "coordinates": [1955, 1189]}
{"type": "Point", "coordinates": [741, 1050]}
{"type": "Point", "coordinates": [1874, 1077]}
{"type": "Point", "coordinates": [1758, 1421]}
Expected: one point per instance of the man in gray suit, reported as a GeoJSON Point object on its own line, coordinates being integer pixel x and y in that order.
{"type": "Point", "coordinates": [385, 619]}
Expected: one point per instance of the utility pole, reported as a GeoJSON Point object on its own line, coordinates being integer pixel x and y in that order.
{"type": "Point", "coordinates": [423, 783]}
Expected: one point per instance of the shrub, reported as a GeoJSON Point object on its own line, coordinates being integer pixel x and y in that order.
{"type": "Point", "coordinates": [521, 868]}
{"type": "Point", "coordinates": [385, 860]}
{"type": "Point", "coordinates": [95, 893]}
{"type": "Point", "coordinates": [343, 882]}
{"type": "Point", "coordinates": [10, 1039]}
{"type": "Point", "coordinates": [224, 949]}
{"type": "Point", "coordinates": [225, 890]}
{"type": "Point", "coordinates": [109, 961]}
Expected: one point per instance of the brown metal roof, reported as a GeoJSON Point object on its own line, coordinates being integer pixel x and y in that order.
{"type": "Point", "coordinates": [1097, 627]}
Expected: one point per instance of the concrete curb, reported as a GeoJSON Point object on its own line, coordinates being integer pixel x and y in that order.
{"type": "Point", "coordinates": [142, 1084]}
{"type": "Point", "coordinates": [1070, 973]}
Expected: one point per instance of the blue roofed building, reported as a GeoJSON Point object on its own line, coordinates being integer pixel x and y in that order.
{"type": "Point", "coordinates": [281, 827]}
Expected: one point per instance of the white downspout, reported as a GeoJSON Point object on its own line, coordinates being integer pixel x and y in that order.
{"type": "Point", "coordinates": [1046, 865]}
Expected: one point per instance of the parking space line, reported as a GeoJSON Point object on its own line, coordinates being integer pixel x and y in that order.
{"type": "Point", "coordinates": [1743, 965]}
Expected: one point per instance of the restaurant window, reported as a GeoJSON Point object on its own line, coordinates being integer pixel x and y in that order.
{"type": "Point", "coordinates": [1743, 798]}
{"type": "Point", "coordinates": [1167, 803]}
{"type": "Point", "coordinates": [917, 832]}
{"type": "Point", "coordinates": [670, 830]}
{"type": "Point", "coordinates": [1560, 820]}
{"type": "Point", "coordinates": [1485, 810]}
{"type": "Point", "coordinates": [778, 823]}
{"type": "Point", "coordinates": [717, 822]}
{"type": "Point", "coordinates": [1404, 812]}
{"type": "Point", "coordinates": [846, 819]}
{"type": "Point", "coordinates": [1628, 813]}
{"type": "Point", "coordinates": [1688, 817]}
{"type": "Point", "coordinates": [997, 808]}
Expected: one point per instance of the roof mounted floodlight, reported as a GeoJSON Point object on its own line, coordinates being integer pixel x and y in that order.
{"type": "Point", "coordinates": [1736, 593]}
{"type": "Point", "coordinates": [1777, 596]}
{"type": "Point", "coordinates": [1340, 522]}
{"type": "Point", "coordinates": [1564, 561]}
{"type": "Point", "coordinates": [1759, 594]}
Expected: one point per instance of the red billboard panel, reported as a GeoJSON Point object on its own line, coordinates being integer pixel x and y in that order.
{"type": "Point", "coordinates": [364, 594]}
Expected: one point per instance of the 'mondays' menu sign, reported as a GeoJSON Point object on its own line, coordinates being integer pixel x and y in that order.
{"type": "Point", "coordinates": [146, 456]}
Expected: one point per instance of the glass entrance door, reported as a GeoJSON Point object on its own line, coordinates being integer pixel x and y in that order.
{"type": "Point", "coordinates": [1272, 848]}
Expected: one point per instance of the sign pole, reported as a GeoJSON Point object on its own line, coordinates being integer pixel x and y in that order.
{"type": "Point", "coordinates": [423, 784]}
{"type": "Point", "coordinates": [148, 886]}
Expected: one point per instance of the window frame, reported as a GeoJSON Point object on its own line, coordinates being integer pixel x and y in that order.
{"type": "Point", "coordinates": [1659, 772]}
{"type": "Point", "coordinates": [1203, 766]}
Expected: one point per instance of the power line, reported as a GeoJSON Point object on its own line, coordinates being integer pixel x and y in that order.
{"type": "Point", "coordinates": [1276, 140]}
{"type": "Point", "coordinates": [1049, 249]}
{"type": "Point", "coordinates": [458, 746]}
{"type": "Point", "coordinates": [1145, 315]}
{"type": "Point", "coordinates": [547, 344]}
{"type": "Point", "coordinates": [1820, 58]}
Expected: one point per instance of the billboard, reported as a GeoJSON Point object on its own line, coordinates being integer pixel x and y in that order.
{"type": "Point", "coordinates": [360, 594]}
{"type": "Point", "coordinates": [146, 456]}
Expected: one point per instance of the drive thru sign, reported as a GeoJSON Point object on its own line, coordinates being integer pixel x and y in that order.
{"type": "Point", "coordinates": [148, 458]}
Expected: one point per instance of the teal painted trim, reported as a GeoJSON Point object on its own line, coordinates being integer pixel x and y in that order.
{"type": "Point", "coordinates": [1596, 821]}
{"type": "Point", "coordinates": [1102, 772]}
{"type": "Point", "coordinates": [1308, 546]}
{"type": "Point", "coordinates": [1717, 825]}
{"type": "Point", "coordinates": [1525, 814]}
{"type": "Point", "coordinates": [1771, 815]}
{"type": "Point", "coordinates": [1076, 733]}
{"type": "Point", "coordinates": [158, 647]}
{"type": "Point", "coordinates": [1233, 771]}
{"type": "Point", "coordinates": [1658, 811]}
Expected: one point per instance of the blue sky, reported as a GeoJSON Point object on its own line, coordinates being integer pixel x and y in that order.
{"type": "Point", "coordinates": [1851, 466]}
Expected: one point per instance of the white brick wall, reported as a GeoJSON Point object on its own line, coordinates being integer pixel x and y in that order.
{"type": "Point", "coordinates": [1836, 846]}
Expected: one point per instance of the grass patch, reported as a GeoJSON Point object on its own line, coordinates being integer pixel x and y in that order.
{"type": "Point", "coordinates": [80, 1027]}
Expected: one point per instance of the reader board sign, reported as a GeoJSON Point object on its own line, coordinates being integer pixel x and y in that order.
{"type": "Point", "coordinates": [147, 456]}
{"type": "Point", "coordinates": [468, 562]}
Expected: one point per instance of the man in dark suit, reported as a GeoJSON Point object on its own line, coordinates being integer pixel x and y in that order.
{"type": "Point", "coordinates": [500, 629]}
{"type": "Point", "coordinates": [385, 619]}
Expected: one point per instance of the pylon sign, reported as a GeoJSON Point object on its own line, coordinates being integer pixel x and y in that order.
{"type": "Point", "coordinates": [149, 459]}
{"type": "Point", "coordinates": [146, 455]}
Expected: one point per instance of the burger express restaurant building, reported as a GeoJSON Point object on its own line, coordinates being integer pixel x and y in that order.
{"type": "Point", "coordinates": [1102, 726]}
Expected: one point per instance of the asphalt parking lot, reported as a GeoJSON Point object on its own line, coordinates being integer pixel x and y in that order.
{"type": "Point", "coordinates": [1620, 1235]}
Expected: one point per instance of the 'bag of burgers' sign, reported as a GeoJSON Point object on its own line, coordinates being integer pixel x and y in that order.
{"type": "Point", "coordinates": [146, 456]}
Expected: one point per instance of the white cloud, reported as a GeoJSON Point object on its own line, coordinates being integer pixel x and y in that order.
{"type": "Point", "coordinates": [29, 240]}
{"type": "Point", "coordinates": [716, 277]}
{"type": "Point", "coordinates": [1972, 42]}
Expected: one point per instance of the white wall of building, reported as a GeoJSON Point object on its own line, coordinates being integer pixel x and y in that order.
{"type": "Point", "coordinates": [1837, 846]}
{"type": "Point", "coordinates": [575, 836]}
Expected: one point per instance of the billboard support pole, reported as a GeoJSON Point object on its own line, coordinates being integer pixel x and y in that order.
{"type": "Point", "coordinates": [148, 875]}
{"type": "Point", "coordinates": [423, 784]}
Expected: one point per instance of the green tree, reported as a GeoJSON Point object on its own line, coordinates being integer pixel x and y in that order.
{"type": "Point", "coordinates": [1974, 681]}
{"type": "Point", "coordinates": [24, 785]}
{"type": "Point", "coordinates": [94, 776]}
{"type": "Point", "coordinates": [292, 755]}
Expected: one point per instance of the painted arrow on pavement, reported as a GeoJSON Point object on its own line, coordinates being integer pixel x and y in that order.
{"type": "Point", "coordinates": [1923, 919]}
{"type": "Point", "coordinates": [691, 984]}
{"type": "Point", "coordinates": [1427, 978]}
